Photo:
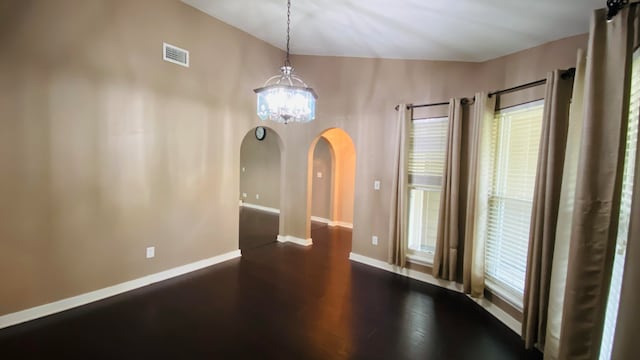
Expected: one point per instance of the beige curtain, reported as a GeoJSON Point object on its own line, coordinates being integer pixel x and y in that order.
{"type": "Point", "coordinates": [476, 217]}
{"type": "Point", "coordinates": [544, 214]}
{"type": "Point", "coordinates": [400, 199]}
{"type": "Point", "coordinates": [626, 345]}
{"type": "Point", "coordinates": [445, 260]}
{"type": "Point", "coordinates": [597, 197]}
{"type": "Point", "coordinates": [565, 212]}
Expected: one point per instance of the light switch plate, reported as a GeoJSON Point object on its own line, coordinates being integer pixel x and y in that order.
{"type": "Point", "coordinates": [319, 175]}
{"type": "Point", "coordinates": [244, 195]}
{"type": "Point", "coordinates": [257, 196]}
{"type": "Point", "coordinates": [376, 185]}
{"type": "Point", "coordinates": [374, 240]}
{"type": "Point", "coordinates": [151, 252]}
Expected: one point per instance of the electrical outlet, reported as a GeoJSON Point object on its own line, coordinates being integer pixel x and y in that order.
{"type": "Point", "coordinates": [319, 175]}
{"type": "Point", "coordinates": [243, 169]}
{"type": "Point", "coordinates": [244, 195]}
{"type": "Point", "coordinates": [257, 196]}
{"type": "Point", "coordinates": [374, 240]}
{"type": "Point", "coordinates": [376, 185]}
{"type": "Point", "coordinates": [151, 252]}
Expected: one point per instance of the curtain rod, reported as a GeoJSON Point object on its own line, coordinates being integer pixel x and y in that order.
{"type": "Point", "coordinates": [566, 74]}
{"type": "Point", "coordinates": [464, 101]}
{"type": "Point", "coordinates": [614, 7]}
{"type": "Point", "coordinates": [411, 106]}
{"type": "Point", "coordinates": [519, 87]}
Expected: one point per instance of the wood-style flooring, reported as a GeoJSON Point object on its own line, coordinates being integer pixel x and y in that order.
{"type": "Point", "coordinates": [278, 301]}
{"type": "Point", "coordinates": [257, 228]}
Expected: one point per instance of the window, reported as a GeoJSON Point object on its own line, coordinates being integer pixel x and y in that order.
{"type": "Point", "coordinates": [427, 149]}
{"type": "Point", "coordinates": [515, 138]}
{"type": "Point", "coordinates": [625, 215]}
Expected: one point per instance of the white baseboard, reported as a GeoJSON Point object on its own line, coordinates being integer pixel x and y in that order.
{"type": "Point", "coordinates": [342, 224]}
{"type": "Point", "coordinates": [320, 220]}
{"type": "Point", "coordinates": [261, 208]}
{"type": "Point", "coordinates": [500, 314]}
{"type": "Point", "coordinates": [332, 223]}
{"type": "Point", "coordinates": [295, 240]}
{"type": "Point", "coordinates": [417, 275]}
{"type": "Point", "coordinates": [83, 299]}
{"type": "Point", "coordinates": [494, 310]}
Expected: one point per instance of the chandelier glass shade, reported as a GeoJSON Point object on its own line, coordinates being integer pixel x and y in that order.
{"type": "Point", "coordinates": [286, 98]}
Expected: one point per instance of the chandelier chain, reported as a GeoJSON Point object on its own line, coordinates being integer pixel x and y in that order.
{"type": "Point", "coordinates": [286, 61]}
{"type": "Point", "coordinates": [286, 98]}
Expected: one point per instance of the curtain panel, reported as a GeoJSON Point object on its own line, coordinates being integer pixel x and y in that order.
{"type": "Point", "coordinates": [445, 260]}
{"type": "Point", "coordinates": [598, 188]}
{"type": "Point", "coordinates": [544, 214]}
{"type": "Point", "coordinates": [476, 217]}
{"type": "Point", "coordinates": [400, 198]}
{"type": "Point", "coordinates": [565, 211]}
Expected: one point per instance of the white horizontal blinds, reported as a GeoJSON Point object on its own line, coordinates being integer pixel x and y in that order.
{"type": "Point", "coordinates": [427, 147]}
{"type": "Point", "coordinates": [427, 150]}
{"type": "Point", "coordinates": [625, 215]}
{"type": "Point", "coordinates": [515, 140]}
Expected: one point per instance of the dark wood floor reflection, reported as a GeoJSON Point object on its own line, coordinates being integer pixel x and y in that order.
{"type": "Point", "coordinates": [279, 301]}
{"type": "Point", "coordinates": [257, 228]}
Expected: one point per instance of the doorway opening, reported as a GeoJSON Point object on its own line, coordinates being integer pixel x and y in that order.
{"type": "Point", "coordinates": [331, 180]}
{"type": "Point", "coordinates": [260, 176]}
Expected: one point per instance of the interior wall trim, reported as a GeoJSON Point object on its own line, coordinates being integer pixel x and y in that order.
{"type": "Point", "coordinates": [331, 223]}
{"type": "Point", "coordinates": [86, 298]}
{"type": "Point", "coordinates": [261, 208]}
{"type": "Point", "coordinates": [505, 318]}
{"type": "Point", "coordinates": [295, 240]}
{"type": "Point", "coordinates": [342, 224]}
{"type": "Point", "coordinates": [321, 220]}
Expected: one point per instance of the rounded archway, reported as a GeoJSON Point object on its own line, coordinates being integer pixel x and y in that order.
{"type": "Point", "coordinates": [261, 153]}
{"type": "Point", "coordinates": [331, 180]}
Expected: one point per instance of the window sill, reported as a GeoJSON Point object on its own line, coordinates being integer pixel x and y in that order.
{"type": "Point", "coordinates": [425, 259]}
{"type": "Point", "coordinates": [505, 294]}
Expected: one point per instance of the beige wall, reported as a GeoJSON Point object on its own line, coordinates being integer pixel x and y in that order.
{"type": "Point", "coordinates": [529, 65]}
{"type": "Point", "coordinates": [358, 95]}
{"type": "Point", "coordinates": [322, 187]}
{"type": "Point", "coordinates": [260, 169]}
{"type": "Point", "coordinates": [105, 149]}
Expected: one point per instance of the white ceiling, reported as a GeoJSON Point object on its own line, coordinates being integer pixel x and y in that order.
{"type": "Point", "coordinates": [463, 30]}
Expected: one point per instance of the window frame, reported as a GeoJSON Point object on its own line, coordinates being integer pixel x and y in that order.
{"type": "Point", "coordinates": [420, 257]}
{"type": "Point", "coordinates": [492, 283]}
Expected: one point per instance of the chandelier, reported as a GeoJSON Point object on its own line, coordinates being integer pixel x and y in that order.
{"type": "Point", "coordinates": [285, 97]}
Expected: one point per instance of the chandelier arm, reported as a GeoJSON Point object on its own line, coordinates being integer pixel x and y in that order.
{"type": "Point", "coordinates": [273, 78]}
{"type": "Point", "coordinates": [296, 78]}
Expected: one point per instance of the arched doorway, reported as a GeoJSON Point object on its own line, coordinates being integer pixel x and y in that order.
{"type": "Point", "coordinates": [260, 173]}
{"type": "Point", "coordinates": [331, 179]}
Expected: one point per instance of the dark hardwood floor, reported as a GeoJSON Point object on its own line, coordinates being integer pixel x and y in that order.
{"type": "Point", "coordinates": [279, 301]}
{"type": "Point", "coordinates": [257, 228]}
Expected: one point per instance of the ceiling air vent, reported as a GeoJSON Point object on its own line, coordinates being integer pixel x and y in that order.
{"type": "Point", "coordinates": [175, 55]}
